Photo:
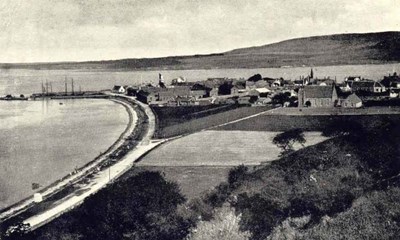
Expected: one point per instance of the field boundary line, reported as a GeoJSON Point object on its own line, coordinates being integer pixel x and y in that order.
{"type": "Point", "coordinates": [242, 119]}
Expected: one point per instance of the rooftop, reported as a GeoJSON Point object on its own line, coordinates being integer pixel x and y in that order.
{"type": "Point", "coordinates": [315, 91]}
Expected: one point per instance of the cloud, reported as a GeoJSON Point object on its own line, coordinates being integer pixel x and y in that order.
{"type": "Point", "coordinates": [55, 30]}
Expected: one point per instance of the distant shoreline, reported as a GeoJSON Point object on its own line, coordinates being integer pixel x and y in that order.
{"type": "Point", "coordinates": [78, 69]}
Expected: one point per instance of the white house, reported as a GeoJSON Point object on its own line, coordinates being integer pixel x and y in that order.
{"type": "Point", "coordinates": [352, 101]}
{"type": "Point", "coordinates": [118, 89]}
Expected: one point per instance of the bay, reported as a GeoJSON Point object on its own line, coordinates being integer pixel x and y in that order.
{"type": "Point", "coordinates": [43, 141]}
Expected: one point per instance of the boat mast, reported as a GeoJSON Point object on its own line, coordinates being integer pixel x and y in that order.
{"type": "Point", "coordinates": [47, 87]}
{"type": "Point", "coordinates": [72, 86]}
{"type": "Point", "coordinates": [66, 86]}
{"type": "Point", "coordinates": [42, 88]}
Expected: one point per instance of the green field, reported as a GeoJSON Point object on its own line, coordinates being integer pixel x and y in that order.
{"type": "Point", "coordinates": [220, 148]}
{"type": "Point", "coordinates": [192, 181]}
{"type": "Point", "coordinates": [198, 124]}
{"type": "Point", "coordinates": [201, 161]}
{"type": "Point", "coordinates": [270, 122]}
{"type": "Point", "coordinates": [169, 116]}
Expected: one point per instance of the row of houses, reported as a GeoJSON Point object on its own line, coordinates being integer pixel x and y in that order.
{"type": "Point", "coordinates": [310, 91]}
{"type": "Point", "coordinates": [351, 84]}
{"type": "Point", "coordinates": [210, 91]}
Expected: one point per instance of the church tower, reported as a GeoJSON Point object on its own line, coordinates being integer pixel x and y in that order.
{"type": "Point", "coordinates": [161, 83]}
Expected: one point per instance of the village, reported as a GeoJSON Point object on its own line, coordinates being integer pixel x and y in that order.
{"type": "Point", "coordinates": [305, 92]}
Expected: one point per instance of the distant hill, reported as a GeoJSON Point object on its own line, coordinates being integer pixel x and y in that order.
{"type": "Point", "coordinates": [339, 49]}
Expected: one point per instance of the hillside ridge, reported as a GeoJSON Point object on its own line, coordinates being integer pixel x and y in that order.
{"type": "Point", "coordinates": [325, 50]}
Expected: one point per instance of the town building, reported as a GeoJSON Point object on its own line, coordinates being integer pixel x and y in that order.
{"type": "Point", "coordinates": [324, 82]}
{"type": "Point", "coordinates": [391, 81]}
{"type": "Point", "coordinates": [118, 89]}
{"type": "Point", "coordinates": [351, 101]}
{"type": "Point", "coordinates": [394, 92]}
{"type": "Point", "coordinates": [367, 86]}
{"type": "Point", "coordinates": [258, 84]}
{"type": "Point", "coordinates": [151, 95]}
{"type": "Point", "coordinates": [232, 88]}
{"type": "Point", "coordinates": [352, 79]}
{"type": "Point", "coordinates": [317, 96]}
{"type": "Point", "coordinates": [178, 81]}
{"type": "Point", "coordinates": [300, 83]}
{"type": "Point", "coordinates": [344, 87]}
{"type": "Point", "coordinates": [147, 95]}
{"type": "Point", "coordinates": [198, 91]}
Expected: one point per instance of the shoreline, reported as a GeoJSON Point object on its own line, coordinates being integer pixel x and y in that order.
{"type": "Point", "coordinates": [82, 172]}
{"type": "Point", "coordinates": [95, 182]}
{"type": "Point", "coordinates": [122, 70]}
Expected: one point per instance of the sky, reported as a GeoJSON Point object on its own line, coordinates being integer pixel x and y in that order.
{"type": "Point", "coordinates": [80, 30]}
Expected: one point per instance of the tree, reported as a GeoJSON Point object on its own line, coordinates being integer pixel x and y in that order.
{"type": "Point", "coordinates": [255, 78]}
{"type": "Point", "coordinates": [287, 139]}
{"type": "Point", "coordinates": [280, 98]}
{"type": "Point", "coordinates": [236, 175]}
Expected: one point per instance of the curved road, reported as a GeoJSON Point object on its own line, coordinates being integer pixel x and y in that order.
{"type": "Point", "coordinates": [100, 179]}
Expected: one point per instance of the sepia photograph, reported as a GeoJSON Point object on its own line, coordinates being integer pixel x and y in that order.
{"type": "Point", "coordinates": [199, 119]}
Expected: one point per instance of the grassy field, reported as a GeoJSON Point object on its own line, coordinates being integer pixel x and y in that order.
{"type": "Point", "coordinates": [201, 161]}
{"type": "Point", "coordinates": [192, 181]}
{"type": "Point", "coordinates": [168, 116]}
{"type": "Point", "coordinates": [272, 122]}
{"type": "Point", "coordinates": [220, 148]}
{"type": "Point", "coordinates": [337, 111]}
{"type": "Point", "coordinates": [198, 124]}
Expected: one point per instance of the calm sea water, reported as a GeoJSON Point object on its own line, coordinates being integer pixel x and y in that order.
{"type": "Point", "coordinates": [42, 141]}
{"type": "Point", "coordinates": [29, 81]}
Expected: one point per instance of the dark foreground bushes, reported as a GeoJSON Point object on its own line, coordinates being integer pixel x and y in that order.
{"type": "Point", "coordinates": [141, 207]}
{"type": "Point", "coordinates": [312, 193]}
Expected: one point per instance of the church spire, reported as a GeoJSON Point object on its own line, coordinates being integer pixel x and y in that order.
{"type": "Point", "coordinates": [312, 73]}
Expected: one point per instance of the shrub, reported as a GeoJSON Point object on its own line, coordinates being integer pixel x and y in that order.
{"type": "Point", "coordinates": [237, 175]}
{"type": "Point", "coordinates": [142, 207]}
{"type": "Point", "coordinates": [225, 226]}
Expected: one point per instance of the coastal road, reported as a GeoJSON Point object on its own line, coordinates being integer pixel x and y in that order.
{"type": "Point", "coordinates": [100, 179]}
